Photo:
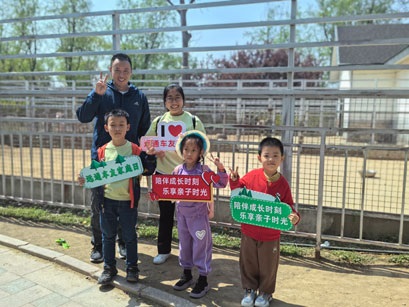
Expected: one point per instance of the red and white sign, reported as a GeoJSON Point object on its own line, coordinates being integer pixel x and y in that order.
{"type": "Point", "coordinates": [194, 188]}
{"type": "Point", "coordinates": [160, 144]}
{"type": "Point", "coordinates": [168, 134]}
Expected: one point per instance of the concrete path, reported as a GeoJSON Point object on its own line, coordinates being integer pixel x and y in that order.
{"type": "Point", "coordinates": [30, 281]}
{"type": "Point", "coordinates": [34, 276]}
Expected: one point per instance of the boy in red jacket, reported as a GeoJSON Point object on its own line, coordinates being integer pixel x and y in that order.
{"type": "Point", "coordinates": [260, 246]}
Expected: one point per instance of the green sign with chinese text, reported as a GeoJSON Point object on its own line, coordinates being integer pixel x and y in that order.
{"type": "Point", "coordinates": [100, 173]}
{"type": "Point", "coordinates": [259, 209]}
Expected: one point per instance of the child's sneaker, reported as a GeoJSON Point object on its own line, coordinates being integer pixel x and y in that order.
{"type": "Point", "coordinates": [107, 275]}
{"type": "Point", "coordinates": [248, 299]}
{"type": "Point", "coordinates": [132, 274]}
{"type": "Point", "coordinates": [201, 288]}
{"type": "Point", "coordinates": [96, 254]}
{"type": "Point", "coordinates": [184, 282]}
{"type": "Point", "coordinates": [263, 300]}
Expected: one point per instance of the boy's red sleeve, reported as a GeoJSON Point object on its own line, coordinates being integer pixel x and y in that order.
{"type": "Point", "coordinates": [287, 198]}
{"type": "Point", "coordinates": [295, 211]}
{"type": "Point", "coordinates": [235, 184]}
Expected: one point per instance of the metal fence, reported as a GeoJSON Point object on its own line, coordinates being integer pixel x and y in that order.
{"type": "Point", "coordinates": [346, 150]}
{"type": "Point", "coordinates": [41, 160]}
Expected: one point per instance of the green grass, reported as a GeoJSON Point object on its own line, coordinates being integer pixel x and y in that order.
{"type": "Point", "coordinates": [295, 251]}
{"type": "Point", "coordinates": [223, 240]}
{"type": "Point", "coordinates": [352, 258]}
{"type": "Point", "coordinates": [46, 216]}
{"type": "Point", "coordinates": [402, 260]}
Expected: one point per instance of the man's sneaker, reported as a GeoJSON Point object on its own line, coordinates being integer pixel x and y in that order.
{"type": "Point", "coordinates": [263, 300]}
{"type": "Point", "coordinates": [107, 275]}
{"type": "Point", "coordinates": [201, 288]}
{"type": "Point", "coordinates": [122, 251]}
{"type": "Point", "coordinates": [160, 258]}
{"type": "Point", "coordinates": [248, 299]}
{"type": "Point", "coordinates": [96, 254]}
{"type": "Point", "coordinates": [132, 274]}
{"type": "Point", "coordinates": [184, 282]}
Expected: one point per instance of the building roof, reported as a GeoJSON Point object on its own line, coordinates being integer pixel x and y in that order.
{"type": "Point", "coordinates": [370, 55]}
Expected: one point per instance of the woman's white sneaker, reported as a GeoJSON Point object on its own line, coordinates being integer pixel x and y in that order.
{"type": "Point", "coordinates": [160, 258]}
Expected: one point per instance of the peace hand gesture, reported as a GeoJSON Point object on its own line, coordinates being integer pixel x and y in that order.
{"type": "Point", "coordinates": [151, 150]}
{"type": "Point", "coordinates": [216, 161]}
{"type": "Point", "coordinates": [101, 86]}
{"type": "Point", "coordinates": [234, 174]}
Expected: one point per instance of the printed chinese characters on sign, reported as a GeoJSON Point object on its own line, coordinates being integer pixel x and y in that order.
{"type": "Point", "coordinates": [259, 209]}
{"type": "Point", "coordinates": [168, 134]}
{"type": "Point", "coordinates": [159, 144]}
{"type": "Point", "coordinates": [181, 187]}
{"type": "Point", "coordinates": [100, 173]}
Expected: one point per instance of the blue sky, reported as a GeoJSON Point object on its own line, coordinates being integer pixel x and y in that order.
{"type": "Point", "coordinates": [228, 14]}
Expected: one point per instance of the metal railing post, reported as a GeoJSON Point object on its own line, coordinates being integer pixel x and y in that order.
{"type": "Point", "coordinates": [116, 38]}
{"type": "Point", "coordinates": [320, 195]}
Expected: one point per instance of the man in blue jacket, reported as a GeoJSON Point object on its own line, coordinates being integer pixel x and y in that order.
{"type": "Point", "coordinates": [118, 93]}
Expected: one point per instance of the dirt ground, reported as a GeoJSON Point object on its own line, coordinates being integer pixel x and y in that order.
{"type": "Point", "coordinates": [301, 281]}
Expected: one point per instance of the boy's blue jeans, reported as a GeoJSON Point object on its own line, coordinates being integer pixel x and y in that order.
{"type": "Point", "coordinates": [112, 213]}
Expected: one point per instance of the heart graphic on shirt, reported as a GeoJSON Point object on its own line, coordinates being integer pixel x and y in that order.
{"type": "Point", "coordinates": [207, 177]}
{"type": "Point", "coordinates": [215, 178]}
{"type": "Point", "coordinates": [175, 130]}
{"type": "Point", "coordinates": [200, 234]}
